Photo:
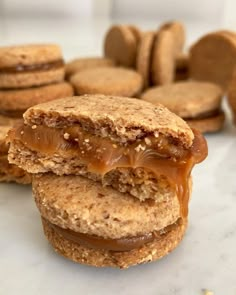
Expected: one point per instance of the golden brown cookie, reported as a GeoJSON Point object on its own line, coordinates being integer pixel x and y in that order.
{"type": "Point", "coordinates": [195, 102]}
{"type": "Point", "coordinates": [163, 59]}
{"type": "Point", "coordinates": [208, 125]}
{"type": "Point", "coordinates": [109, 81]}
{"type": "Point", "coordinates": [80, 64]}
{"type": "Point", "coordinates": [144, 55]}
{"type": "Point", "coordinates": [30, 65]}
{"type": "Point", "coordinates": [10, 172]}
{"type": "Point", "coordinates": [178, 31]}
{"type": "Point", "coordinates": [121, 44]}
{"type": "Point", "coordinates": [123, 165]}
{"type": "Point", "coordinates": [19, 100]}
{"type": "Point", "coordinates": [104, 258]}
{"type": "Point", "coordinates": [209, 64]}
{"type": "Point", "coordinates": [100, 235]}
{"type": "Point", "coordinates": [182, 67]}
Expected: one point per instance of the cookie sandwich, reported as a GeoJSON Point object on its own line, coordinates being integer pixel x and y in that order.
{"type": "Point", "coordinates": [30, 74]}
{"type": "Point", "coordinates": [198, 103]}
{"type": "Point", "coordinates": [112, 176]}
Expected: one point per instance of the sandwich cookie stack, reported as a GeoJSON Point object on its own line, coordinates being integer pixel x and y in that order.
{"type": "Point", "coordinates": [198, 103]}
{"type": "Point", "coordinates": [111, 176]}
{"type": "Point", "coordinates": [29, 74]}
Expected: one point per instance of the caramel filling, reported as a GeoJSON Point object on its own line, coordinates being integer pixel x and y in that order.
{"type": "Point", "coordinates": [32, 68]}
{"type": "Point", "coordinates": [101, 155]}
{"type": "Point", "coordinates": [117, 245]}
{"type": "Point", "coordinates": [206, 115]}
{"type": "Point", "coordinates": [12, 113]}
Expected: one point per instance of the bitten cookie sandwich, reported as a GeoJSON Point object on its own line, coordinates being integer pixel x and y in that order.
{"type": "Point", "coordinates": [112, 176]}
{"type": "Point", "coordinates": [198, 103]}
{"type": "Point", "coordinates": [10, 172]}
{"type": "Point", "coordinates": [213, 58]}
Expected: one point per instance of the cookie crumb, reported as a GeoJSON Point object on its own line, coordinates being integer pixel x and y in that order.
{"type": "Point", "coordinates": [66, 136]}
{"type": "Point", "coordinates": [34, 127]}
{"type": "Point", "coordinates": [147, 141]}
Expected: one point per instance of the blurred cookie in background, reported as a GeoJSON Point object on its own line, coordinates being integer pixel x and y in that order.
{"type": "Point", "coordinates": [198, 103]}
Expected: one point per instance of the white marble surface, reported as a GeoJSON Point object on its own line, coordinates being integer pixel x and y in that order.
{"type": "Point", "coordinates": [205, 259]}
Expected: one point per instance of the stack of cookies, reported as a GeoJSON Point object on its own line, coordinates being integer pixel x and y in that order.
{"type": "Point", "coordinates": [111, 176]}
{"type": "Point", "coordinates": [29, 74]}
{"type": "Point", "coordinates": [156, 55]}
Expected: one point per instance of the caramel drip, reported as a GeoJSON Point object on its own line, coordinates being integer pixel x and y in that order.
{"type": "Point", "coordinates": [101, 155]}
{"type": "Point", "coordinates": [12, 113]}
{"type": "Point", "coordinates": [116, 245]}
{"type": "Point", "coordinates": [32, 68]}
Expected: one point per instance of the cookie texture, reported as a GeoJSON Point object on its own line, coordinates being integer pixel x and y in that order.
{"type": "Point", "coordinates": [120, 117]}
{"type": "Point", "coordinates": [103, 258]}
{"type": "Point", "coordinates": [177, 29]}
{"type": "Point", "coordinates": [80, 64]}
{"type": "Point", "coordinates": [208, 125]}
{"type": "Point", "coordinates": [120, 45]}
{"type": "Point", "coordinates": [163, 60]}
{"type": "Point", "coordinates": [85, 206]}
{"type": "Point", "coordinates": [29, 54]}
{"type": "Point", "coordinates": [108, 81]}
{"type": "Point", "coordinates": [22, 99]}
{"type": "Point", "coordinates": [29, 79]}
{"type": "Point", "coordinates": [209, 64]}
{"type": "Point", "coordinates": [144, 55]}
{"type": "Point", "coordinates": [186, 99]}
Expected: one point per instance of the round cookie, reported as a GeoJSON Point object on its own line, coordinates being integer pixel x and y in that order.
{"type": "Point", "coordinates": [30, 65]}
{"type": "Point", "coordinates": [163, 59]}
{"type": "Point", "coordinates": [81, 206]}
{"type": "Point", "coordinates": [22, 99]}
{"type": "Point", "coordinates": [10, 172]}
{"type": "Point", "coordinates": [143, 62]}
{"type": "Point", "coordinates": [110, 81]}
{"type": "Point", "coordinates": [193, 101]}
{"type": "Point", "coordinates": [80, 64]}
{"type": "Point", "coordinates": [208, 125]}
{"type": "Point", "coordinates": [209, 64]}
{"type": "Point", "coordinates": [121, 44]}
{"type": "Point", "coordinates": [178, 31]}
{"type": "Point", "coordinates": [136, 32]}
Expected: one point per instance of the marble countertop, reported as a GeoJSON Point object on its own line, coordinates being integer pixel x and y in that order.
{"type": "Point", "coordinates": [206, 259]}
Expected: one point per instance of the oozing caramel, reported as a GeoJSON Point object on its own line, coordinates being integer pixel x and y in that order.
{"type": "Point", "coordinates": [101, 155]}
{"type": "Point", "coordinates": [117, 245]}
{"type": "Point", "coordinates": [32, 68]}
{"type": "Point", "coordinates": [12, 113]}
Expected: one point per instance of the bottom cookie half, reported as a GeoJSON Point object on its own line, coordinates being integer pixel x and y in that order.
{"type": "Point", "coordinates": [102, 258]}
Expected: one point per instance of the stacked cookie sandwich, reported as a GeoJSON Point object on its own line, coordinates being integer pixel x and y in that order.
{"type": "Point", "coordinates": [198, 103]}
{"type": "Point", "coordinates": [29, 74]}
{"type": "Point", "coordinates": [111, 176]}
